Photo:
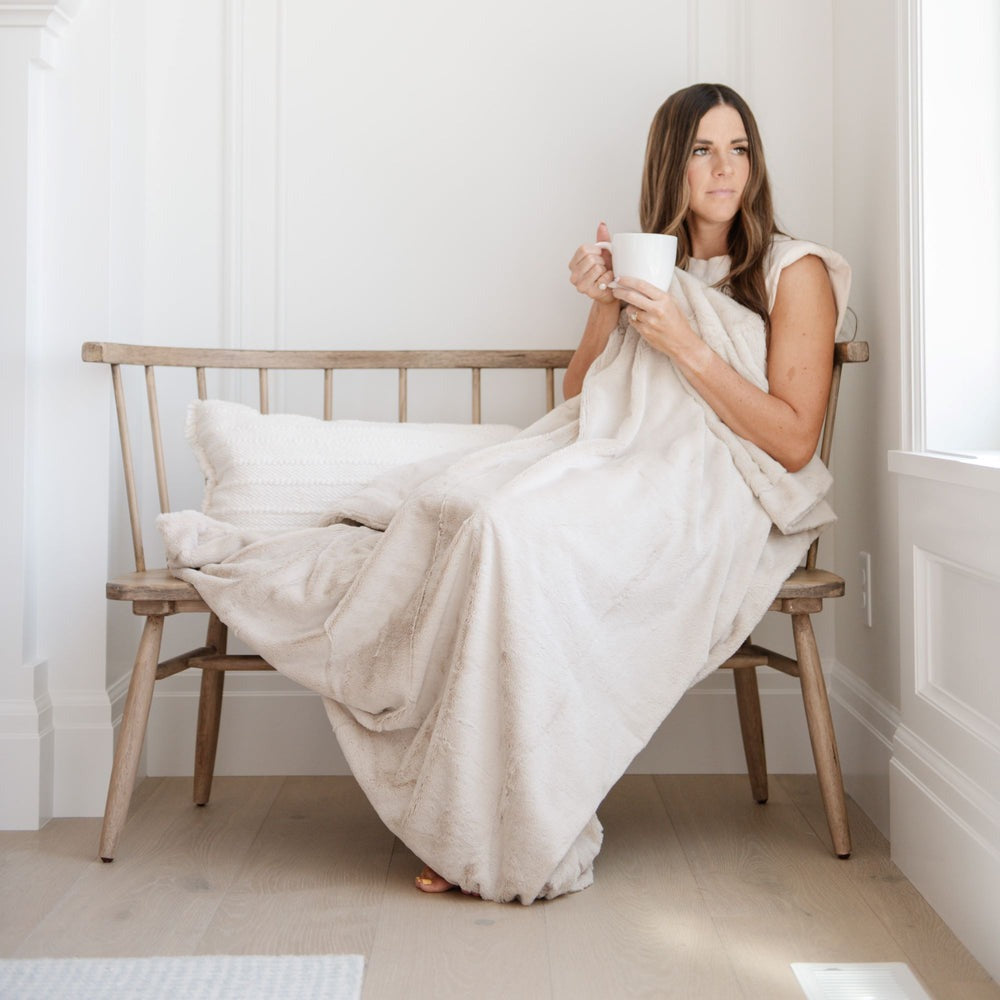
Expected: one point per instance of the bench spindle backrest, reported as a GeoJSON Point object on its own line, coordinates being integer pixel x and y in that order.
{"type": "Point", "coordinates": [327, 362]}
{"type": "Point", "coordinates": [853, 351]}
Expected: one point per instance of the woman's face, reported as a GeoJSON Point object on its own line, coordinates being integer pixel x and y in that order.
{"type": "Point", "coordinates": [719, 166]}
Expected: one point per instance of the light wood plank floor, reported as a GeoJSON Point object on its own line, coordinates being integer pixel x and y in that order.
{"type": "Point", "coordinates": [699, 893]}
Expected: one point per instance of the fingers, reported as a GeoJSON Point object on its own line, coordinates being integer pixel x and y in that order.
{"type": "Point", "coordinates": [579, 269]}
{"type": "Point", "coordinates": [643, 295]}
{"type": "Point", "coordinates": [588, 251]}
{"type": "Point", "coordinates": [651, 292]}
{"type": "Point", "coordinates": [590, 268]}
{"type": "Point", "coordinates": [632, 297]}
{"type": "Point", "coordinates": [588, 272]}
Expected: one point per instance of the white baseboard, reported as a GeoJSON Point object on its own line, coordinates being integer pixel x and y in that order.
{"type": "Point", "coordinates": [270, 726]}
{"type": "Point", "coordinates": [865, 724]}
{"type": "Point", "coordinates": [85, 724]}
{"type": "Point", "coordinates": [27, 741]}
{"type": "Point", "coordinates": [55, 753]}
{"type": "Point", "coordinates": [946, 840]}
{"type": "Point", "coordinates": [702, 734]}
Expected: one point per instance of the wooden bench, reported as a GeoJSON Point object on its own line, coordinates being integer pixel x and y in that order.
{"type": "Point", "coordinates": [155, 595]}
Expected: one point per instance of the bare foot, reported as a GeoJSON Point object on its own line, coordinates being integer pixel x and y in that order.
{"type": "Point", "coordinates": [429, 881]}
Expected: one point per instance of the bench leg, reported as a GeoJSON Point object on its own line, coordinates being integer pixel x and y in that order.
{"type": "Point", "coordinates": [752, 728]}
{"type": "Point", "coordinates": [131, 735]}
{"type": "Point", "coordinates": [209, 714]}
{"type": "Point", "coordinates": [821, 734]}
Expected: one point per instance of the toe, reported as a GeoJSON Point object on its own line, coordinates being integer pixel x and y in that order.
{"type": "Point", "coordinates": [429, 881]}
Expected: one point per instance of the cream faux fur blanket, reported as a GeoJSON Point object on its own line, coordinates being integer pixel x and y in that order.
{"type": "Point", "coordinates": [497, 636]}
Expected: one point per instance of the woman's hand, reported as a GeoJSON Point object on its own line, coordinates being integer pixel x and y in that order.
{"type": "Point", "coordinates": [658, 319]}
{"type": "Point", "coordinates": [590, 269]}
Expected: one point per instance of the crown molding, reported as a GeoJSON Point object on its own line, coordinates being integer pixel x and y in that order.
{"type": "Point", "coordinates": [51, 15]}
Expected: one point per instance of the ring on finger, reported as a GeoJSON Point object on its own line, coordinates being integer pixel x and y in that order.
{"type": "Point", "coordinates": [633, 316]}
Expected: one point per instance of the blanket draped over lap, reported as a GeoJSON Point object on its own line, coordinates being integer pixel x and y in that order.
{"type": "Point", "coordinates": [497, 635]}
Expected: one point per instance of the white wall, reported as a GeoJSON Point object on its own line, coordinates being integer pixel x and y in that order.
{"type": "Point", "coordinates": [55, 717]}
{"type": "Point", "coordinates": [431, 178]}
{"type": "Point", "coordinates": [300, 174]}
{"type": "Point", "coordinates": [25, 710]}
{"type": "Point", "coordinates": [865, 684]}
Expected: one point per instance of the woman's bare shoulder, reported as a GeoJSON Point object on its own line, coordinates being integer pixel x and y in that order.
{"type": "Point", "coordinates": [804, 279]}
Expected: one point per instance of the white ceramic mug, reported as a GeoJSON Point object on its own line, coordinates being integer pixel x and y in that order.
{"type": "Point", "coordinates": [649, 256]}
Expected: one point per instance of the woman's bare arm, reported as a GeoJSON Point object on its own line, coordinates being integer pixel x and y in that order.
{"type": "Point", "coordinates": [785, 421]}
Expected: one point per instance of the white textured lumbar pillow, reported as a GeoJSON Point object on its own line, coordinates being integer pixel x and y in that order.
{"type": "Point", "coordinates": [281, 471]}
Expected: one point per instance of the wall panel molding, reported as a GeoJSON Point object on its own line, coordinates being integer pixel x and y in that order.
{"type": "Point", "coordinates": [969, 643]}
{"type": "Point", "coordinates": [232, 195]}
{"type": "Point", "coordinates": [52, 15]}
{"type": "Point", "coordinates": [254, 204]}
{"type": "Point", "coordinates": [718, 42]}
{"type": "Point", "coordinates": [29, 47]}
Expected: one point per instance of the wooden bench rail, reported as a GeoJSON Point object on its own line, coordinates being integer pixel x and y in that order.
{"type": "Point", "coordinates": [220, 357]}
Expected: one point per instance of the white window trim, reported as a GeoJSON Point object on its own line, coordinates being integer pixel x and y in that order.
{"type": "Point", "coordinates": [978, 469]}
{"type": "Point", "coordinates": [911, 231]}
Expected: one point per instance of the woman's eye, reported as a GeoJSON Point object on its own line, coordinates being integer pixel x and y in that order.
{"type": "Point", "coordinates": [742, 150]}
{"type": "Point", "coordinates": [700, 151]}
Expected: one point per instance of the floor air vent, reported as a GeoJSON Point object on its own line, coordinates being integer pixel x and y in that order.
{"type": "Point", "coordinates": [858, 981]}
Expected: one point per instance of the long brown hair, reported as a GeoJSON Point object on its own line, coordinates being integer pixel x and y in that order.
{"type": "Point", "coordinates": [665, 199]}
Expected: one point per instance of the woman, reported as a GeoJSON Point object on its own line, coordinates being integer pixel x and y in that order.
{"type": "Point", "coordinates": [705, 181]}
{"type": "Point", "coordinates": [496, 635]}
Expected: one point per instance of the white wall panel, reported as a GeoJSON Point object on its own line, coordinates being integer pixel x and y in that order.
{"type": "Point", "coordinates": [790, 87]}
{"type": "Point", "coordinates": [718, 49]}
{"type": "Point", "coordinates": [950, 549]}
{"type": "Point", "coordinates": [183, 139]}
{"type": "Point", "coordinates": [946, 752]}
{"type": "Point", "coordinates": [957, 635]}
{"type": "Point", "coordinates": [866, 221]}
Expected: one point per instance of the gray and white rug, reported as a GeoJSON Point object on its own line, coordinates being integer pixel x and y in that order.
{"type": "Point", "coordinates": [201, 977]}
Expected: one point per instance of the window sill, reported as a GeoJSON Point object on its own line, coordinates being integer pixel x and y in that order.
{"type": "Point", "coordinates": [979, 471]}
